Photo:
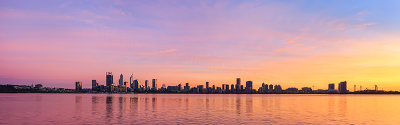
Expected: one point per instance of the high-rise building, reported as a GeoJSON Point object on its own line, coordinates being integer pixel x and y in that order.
{"type": "Point", "coordinates": [200, 87]}
{"type": "Point", "coordinates": [94, 84]}
{"type": "Point", "coordinates": [121, 80]}
{"type": "Point", "coordinates": [131, 80]}
{"type": "Point", "coordinates": [136, 84]}
{"type": "Point", "coordinates": [249, 85]}
{"type": "Point", "coordinates": [109, 79]}
{"type": "Point", "coordinates": [232, 87]}
{"type": "Point", "coordinates": [154, 83]}
{"type": "Point", "coordinates": [331, 86]}
{"type": "Point", "coordinates": [271, 88]}
{"type": "Point", "coordinates": [145, 84]}
{"type": "Point", "coordinates": [207, 85]}
{"type": "Point", "coordinates": [237, 84]}
{"type": "Point", "coordinates": [78, 86]}
{"type": "Point", "coordinates": [227, 87]}
{"type": "Point", "coordinates": [187, 87]}
{"type": "Point", "coordinates": [343, 87]}
{"type": "Point", "coordinates": [179, 87]}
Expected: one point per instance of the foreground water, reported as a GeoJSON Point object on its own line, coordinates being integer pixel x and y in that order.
{"type": "Point", "coordinates": [198, 109]}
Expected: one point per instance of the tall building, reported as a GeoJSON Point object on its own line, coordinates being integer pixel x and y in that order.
{"type": "Point", "coordinates": [131, 80]}
{"type": "Point", "coordinates": [207, 85]}
{"type": "Point", "coordinates": [154, 83]}
{"type": "Point", "coordinates": [331, 86]}
{"type": "Point", "coordinates": [200, 87]}
{"type": "Point", "coordinates": [78, 86]}
{"type": "Point", "coordinates": [237, 84]}
{"type": "Point", "coordinates": [109, 79]}
{"type": "Point", "coordinates": [249, 85]}
{"type": "Point", "coordinates": [121, 80]}
{"type": "Point", "coordinates": [186, 87]}
{"type": "Point", "coordinates": [227, 87]}
{"type": "Point", "coordinates": [271, 88]}
{"type": "Point", "coordinates": [136, 84]}
{"type": "Point", "coordinates": [232, 87]}
{"type": "Point", "coordinates": [145, 84]}
{"type": "Point", "coordinates": [343, 87]}
{"type": "Point", "coordinates": [94, 84]}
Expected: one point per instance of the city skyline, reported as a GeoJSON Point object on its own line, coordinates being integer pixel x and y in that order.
{"type": "Point", "coordinates": [294, 44]}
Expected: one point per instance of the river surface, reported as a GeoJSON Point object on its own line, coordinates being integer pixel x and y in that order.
{"type": "Point", "coordinates": [198, 109]}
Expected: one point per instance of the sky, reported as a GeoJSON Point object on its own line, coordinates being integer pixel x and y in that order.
{"type": "Point", "coordinates": [292, 43]}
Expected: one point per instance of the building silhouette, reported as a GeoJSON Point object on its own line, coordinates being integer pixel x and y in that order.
{"type": "Point", "coordinates": [78, 86]}
{"type": "Point", "coordinates": [237, 84]}
{"type": "Point", "coordinates": [109, 79]}
{"type": "Point", "coordinates": [343, 87]}
{"type": "Point", "coordinates": [121, 80]}
{"type": "Point", "coordinates": [94, 84]}
{"type": "Point", "coordinates": [154, 84]}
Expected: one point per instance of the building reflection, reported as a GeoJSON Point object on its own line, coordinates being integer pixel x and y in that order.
{"type": "Point", "coordinates": [109, 106]}
{"type": "Point", "coordinates": [249, 104]}
{"type": "Point", "coordinates": [238, 104]}
{"type": "Point", "coordinates": [94, 104]}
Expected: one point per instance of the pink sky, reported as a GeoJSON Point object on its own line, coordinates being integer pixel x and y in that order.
{"type": "Point", "coordinates": [295, 44]}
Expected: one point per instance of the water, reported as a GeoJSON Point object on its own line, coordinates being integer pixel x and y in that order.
{"type": "Point", "coordinates": [198, 109]}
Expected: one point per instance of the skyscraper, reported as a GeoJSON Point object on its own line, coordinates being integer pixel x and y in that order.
{"type": "Point", "coordinates": [249, 85]}
{"type": "Point", "coordinates": [154, 83]}
{"type": "Point", "coordinates": [78, 86]}
{"type": "Point", "coordinates": [187, 87]}
{"type": "Point", "coordinates": [271, 88]}
{"type": "Point", "coordinates": [237, 84]}
{"type": "Point", "coordinates": [121, 80]}
{"type": "Point", "coordinates": [145, 84]}
{"type": "Point", "coordinates": [94, 84]}
{"type": "Point", "coordinates": [131, 80]}
{"type": "Point", "coordinates": [331, 87]}
{"type": "Point", "coordinates": [109, 79]}
{"type": "Point", "coordinates": [343, 87]}
{"type": "Point", "coordinates": [207, 86]}
{"type": "Point", "coordinates": [136, 84]}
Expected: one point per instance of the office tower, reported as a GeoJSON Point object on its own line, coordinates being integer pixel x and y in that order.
{"type": "Point", "coordinates": [179, 87]}
{"type": "Point", "coordinates": [131, 80]}
{"type": "Point", "coordinates": [249, 85]}
{"type": "Point", "coordinates": [223, 86]}
{"type": "Point", "coordinates": [121, 80]}
{"type": "Point", "coordinates": [109, 79]}
{"type": "Point", "coordinates": [136, 84]}
{"type": "Point", "coordinates": [343, 87]}
{"type": "Point", "coordinates": [154, 83]}
{"type": "Point", "coordinates": [187, 87]}
{"type": "Point", "coordinates": [331, 86]}
{"type": "Point", "coordinates": [232, 87]}
{"type": "Point", "coordinates": [207, 85]}
{"type": "Point", "coordinates": [271, 88]}
{"type": "Point", "coordinates": [78, 86]}
{"type": "Point", "coordinates": [277, 88]}
{"type": "Point", "coordinates": [94, 84]}
{"type": "Point", "coordinates": [213, 87]}
{"type": "Point", "coordinates": [145, 84]}
{"type": "Point", "coordinates": [237, 84]}
{"type": "Point", "coordinates": [227, 87]}
{"type": "Point", "coordinates": [200, 87]}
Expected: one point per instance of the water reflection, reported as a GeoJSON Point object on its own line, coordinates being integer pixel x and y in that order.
{"type": "Point", "coordinates": [199, 109]}
{"type": "Point", "coordinates": [109, 107]}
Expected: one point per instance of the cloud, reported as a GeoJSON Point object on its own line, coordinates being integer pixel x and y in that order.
{"type": "Point", "coordinates": [167, 51]}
